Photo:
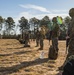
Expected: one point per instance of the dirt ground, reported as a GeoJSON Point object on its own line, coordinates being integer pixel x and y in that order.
{"type": "Point", "coordinates": [17, 60]}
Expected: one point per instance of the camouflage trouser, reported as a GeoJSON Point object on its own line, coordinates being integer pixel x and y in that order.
{"type": "Point", "coordinates": [70, 51]}
{"type": "Point", "coordinates": [71, 47]}
{"type": "Point", "coordinates": [69, 56]}
{"type": "Point", "coordinates": [37, 42]}
{"type": "Point", "coordinates": [26, 42]}
{"type": "Point", "coordinates": [55, 43]}
{"type": "Point", "coordinates": [41, 43]}
{"type": "Point", "coordinates": [31, 37]}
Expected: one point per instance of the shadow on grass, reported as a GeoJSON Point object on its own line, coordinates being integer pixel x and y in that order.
{"type": "Point", "coordinates": [16, 48]}
{"type": "Point", "coordinates": [15, 68]}
{"type": "Point", "coordinates": [17, 53]}
{"type": "Point", "coordinates": [5, 54]}
{"type": "Point", "coordinates": [22, 52]}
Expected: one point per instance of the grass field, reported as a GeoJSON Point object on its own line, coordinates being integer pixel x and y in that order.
{"type": "Point", "coordinates": [17, 60]}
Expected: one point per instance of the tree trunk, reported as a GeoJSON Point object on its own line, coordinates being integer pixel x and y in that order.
{"type": "Point", "coordinates": [0, 36]}
{"type": "Point", "coordinates": [22, 33]}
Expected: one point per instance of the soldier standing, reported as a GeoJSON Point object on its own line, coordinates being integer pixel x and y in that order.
{"type": "Point", "coordinates": [55, 34]}
{"type": "Point", "coordinates": [31, 35]}
{"type": "Point", "coordinates": [42, 36]}
{"type": "Point", "coordinates": [37, 38]}
{"type": "Point", "coordinates": [71, 36]}
{"type": "Point", "coordinates": [26, 39]}
{"type": "Point", "coordinates": [71, 33]}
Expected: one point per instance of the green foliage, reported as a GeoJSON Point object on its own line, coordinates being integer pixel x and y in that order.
{"type": "Point", "coordinates": [23, 23]}
{"type": "Point", "coordinates": [1, 22]}
{"type": "Point", "coordinates": [9, 24]}
{"type": "Point", "coordinates": [34, 22]}
{"type": "Point", "coordinates": [45, 21]}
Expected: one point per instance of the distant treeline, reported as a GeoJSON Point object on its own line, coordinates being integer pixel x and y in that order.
{"type": "Point", "coordinates": [8, 27]}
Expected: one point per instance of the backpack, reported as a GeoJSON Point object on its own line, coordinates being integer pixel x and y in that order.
{"type": "Point", "coordinates": [52, 54]}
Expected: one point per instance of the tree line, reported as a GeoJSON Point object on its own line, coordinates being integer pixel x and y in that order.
{"type": "Point", "coordinates": [8, 26]}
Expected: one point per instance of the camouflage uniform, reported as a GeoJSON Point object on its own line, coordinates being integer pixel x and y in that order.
{"type": "Point", "coordinates": [69, 66]}
{"type": "Point", "coordinates": [71, 35]}
{"type": "Point", "coordinates": [69, 58]}
{"type": "Point", "coordinates": [31, 35]}
{"type": "Point", "coordinates": [41, 38]}
{"type": "Point", "coordinates": [26, 39]}
{"type": "Point", "coordinates": [37, 38]}
{"type": "Point", "coordinates": [55, 34]}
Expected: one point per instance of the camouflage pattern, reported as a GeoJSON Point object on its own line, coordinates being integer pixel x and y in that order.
{"type": "Point", "coordinates": [32, 35]}
{"type": "Point", "coordinates": [71, 28]}
{"type": "Point", "coordinates": [37, 38]}
{"type": "Point", "coordinates": [41, 43]}
{"type": "Point", "coordinates": [55, 28]}
{"type": "Point", "coordinates": [71, 47]}
{"type": "Point", "coordinates": [37, 42]}
{"type": "Point", "coordinates": [68, 59]}
{"type": "Point", "coordinates": [42, 36]}
{"type": "Point", "coordinates": [55, 43]}
{"type": "Point", "coordinates": [70, 33]}
{"type": "Point", "coordinates": [55, 34]}
{"type": "Point", "coordinates": [26, 38]}
{"type": "Point", "coordinates": [55, 31]}
{"type": "Point", "coordinates": [69, 66]}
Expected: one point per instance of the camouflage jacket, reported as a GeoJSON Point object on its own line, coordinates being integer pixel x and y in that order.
{"type": "Point", "coordinates": [69, 66]}
{"type": "Point", "coordinates": [71, 29]}
{"type": "Point", "coordinates": [55, 30]}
